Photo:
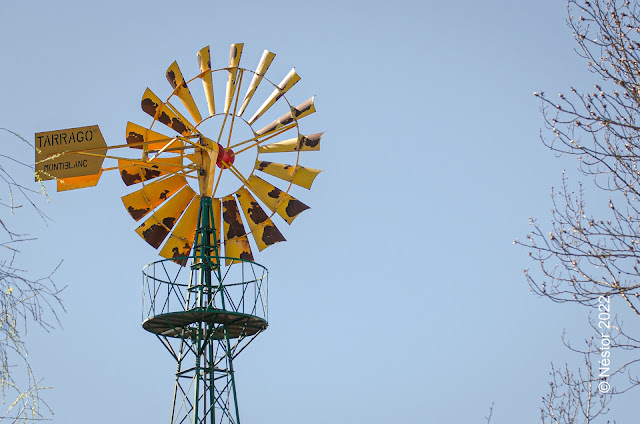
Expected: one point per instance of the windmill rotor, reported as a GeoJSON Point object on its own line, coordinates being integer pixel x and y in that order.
{"type": "Point", "coordinates": [175, 150]}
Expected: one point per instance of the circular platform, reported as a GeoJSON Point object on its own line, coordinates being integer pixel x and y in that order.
{"type": "Point", "coordinates": [181, 324]}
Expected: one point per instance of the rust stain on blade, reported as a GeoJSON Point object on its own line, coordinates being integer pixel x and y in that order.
{"type": "Point", "coordinates": [178, 246]}
{"type": "Point", "coordinates": [298, 112]}
{"type": "Point", "coordinates": [263, 231]}
{"type": "Point", "coordinates": [236, 243]}
{"type": "Point", "coordinates": [278, 201]}
{"type": "Point", "coordinates": [179, 85]}
{"type": "Point", "coordinates": [157, 227]}
{"type": "Point", "coordinates": [141, 202]}
{"type": "Point", "coordinates": [204, 62]}
{"type": "Point", "coordinates": [309, 142]}
{"type": "Point", "coordinates": [155, 108]}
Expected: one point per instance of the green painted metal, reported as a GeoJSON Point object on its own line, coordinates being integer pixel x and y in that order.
{"type": "Point", "coordinates": [209, 326]}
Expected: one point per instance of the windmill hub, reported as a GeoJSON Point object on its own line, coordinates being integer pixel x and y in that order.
{"type": "Point", "coordinates": [226, 157]}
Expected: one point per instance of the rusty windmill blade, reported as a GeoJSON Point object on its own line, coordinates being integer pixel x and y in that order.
{"type": "Point", "coordinates": [264, 233]}
{"type": "Point", "coordinates": [236, 243]}
{"type": "Point", "coordinates": [277, 200]}
{"type": "Point", "coordinates": [180, 241]}
{"type": "Point", "coordinates": [261, 70]}
{"type": "Point", "coordinates": [137, 171]}
{"type": "Point", "coordinates": [158, 226]}
{"type": "Point", "coordinates": [303, 143]}
{"type": "Point", "coordinates": [141, 202]}
{"type": "Point", "coordinates": [285, 85]}
{"type": "Point", "coordinates": [298, 175]}
{"type": "Point", "coordinates": [234, 60]}
{"type": "Point", "coordinates": [175, 78]}
{"type": "Point", "coordinates": [161, 112]}
{"type": "Point", "coordinates": [204, 62]}
{"type": "Point", "coordinates": [139, 137]}
{"type": "Point", "coordinates": [298, 112]}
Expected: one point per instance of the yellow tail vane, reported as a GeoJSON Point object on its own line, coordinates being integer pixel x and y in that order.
{"type": "Point", "coordinates": [263, 231]}
{"type": "Point", "coordinates": [165, 114]}
{"type": "Point", "coordinates": [157, 227]}
{"type": "Point", "coordinates": [299, 175]}
{"type": "Point", "coordinates": [287, 83]}
{"type": "Point", "coordinates": [72, 183]}
{"type": "Point", "coordinates": [236, 244]}
{"type": "Point", "coordinates": [263, 65]}
{"type": "Point", "coordinates": [175, 78]}
{"type": "Point", "coordinates": [204, 62]}
{"type": "Point", "coordinates": [305, 143]}
{"type": "Point", "coordinates": [141, 202]}
{"type": "Point", "coordinates": [277, 200]}
{"type": "Point", "coordinates": [234, 60]}
{"type": "Point", "coordinates": [182, 237]}
{"type": "Point", "coordinates": [298, 112]}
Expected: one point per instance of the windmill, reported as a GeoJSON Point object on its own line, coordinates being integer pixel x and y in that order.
{"type": "Point", "coordinates": [206, 300]}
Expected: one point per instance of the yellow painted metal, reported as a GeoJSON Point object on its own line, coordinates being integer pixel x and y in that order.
{"type": "Point", "coordinates": [298, 112]}
{"type": "Point", "coordinates": [263, 231]}
{"type": "Point", "coordinates": [181, 238]}
{"type": "Point", "coordinates": [72, 183]}
{"type": "Point", "coordinates": [236, 243]}
{"type": "Point", "coordinates": [141, 202]}
{"type": "Point", "coordinates": [309, 142]}
{"type": "Point", "coordinates": [216, 204]}
{"type": "Point", "coordinates": [277, 200]}
{"type": "Point", "coordinates": [57, 153]}
{"type": "Point", "coordinates": [136, 171]}
{"type": "Point", "coordinates": [285, 85]}
{"type": "Point", "coordinates": [138, 135]}
{"type": "Point", "coordinates": [263, 65]}
{"type": "Point", "coordinates": [234, 60]}
{"type": "Point", "coordinates": [158, 226]}
{"type": "Point", "coordinates": [204, 61]}
{"type": "Point", "coordinates": [206, 160]}
{"type": "Point", "coordinates": [175, 78]}
{"type": "Point", "coordinates": [299, 175]}
{"type": "Point", "coordinates": [166, 114]}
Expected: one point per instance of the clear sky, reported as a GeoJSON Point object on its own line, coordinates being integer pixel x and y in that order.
{"type": "Point", "coordinates": [399, 297]}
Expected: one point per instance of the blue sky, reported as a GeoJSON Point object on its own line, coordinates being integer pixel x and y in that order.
{"type": "Point", "coordinates": [399, 296]}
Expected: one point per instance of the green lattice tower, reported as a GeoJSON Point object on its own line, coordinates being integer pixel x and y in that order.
{"type": "Point", "coordinates": [205, 323]}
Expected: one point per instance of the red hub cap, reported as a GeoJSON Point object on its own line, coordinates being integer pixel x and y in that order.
{"type": "Point", "coordinates": [226, 157]}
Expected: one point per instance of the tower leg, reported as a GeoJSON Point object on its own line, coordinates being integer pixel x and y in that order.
{"type": "Point", "coordinates": [205, 391]}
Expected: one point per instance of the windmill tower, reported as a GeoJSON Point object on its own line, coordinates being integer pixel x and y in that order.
{"type": "Point", "coordinates": [206, 300]}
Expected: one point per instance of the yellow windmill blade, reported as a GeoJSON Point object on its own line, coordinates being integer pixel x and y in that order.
{"type": "Point", "coordinates": [139, 137]}
{"type": "Point", "coordinates": [234, 60]}
{"type": "Point", "coordinates": [236, 243]}
{"type": "Point", "coordinates": [141, 202]}
{"type": "Point", "coordinates": [180, 241]}
{"type": "Point", "coordinates": [263, 65]}
{"type": "Point", "coordinates": [158, 226]}
{"type": "Point", "coordinates": [165, 114]}
{"type": "Point", "coordinates": [137, 171]}
{"type": "Point", "coordinates": [277, 200]}
{"type": "Point", "coordinates": [298, 112]}
{"type": "Point", "coordinates": [285, 85]}
{"type": "Point", "coordinates": [298, 175]}
{"type": "Point", "coordinates": [302, 143]}
{"type": "Point", "coordinates": [204, 62]}
{"type": "Point", "coordinates": [263, 231]}
{"type": "Point", "coordinates": [175, 78]}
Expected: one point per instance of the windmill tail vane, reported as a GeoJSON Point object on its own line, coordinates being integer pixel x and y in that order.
{"type": "Point", "coordinates": [200, 174]}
